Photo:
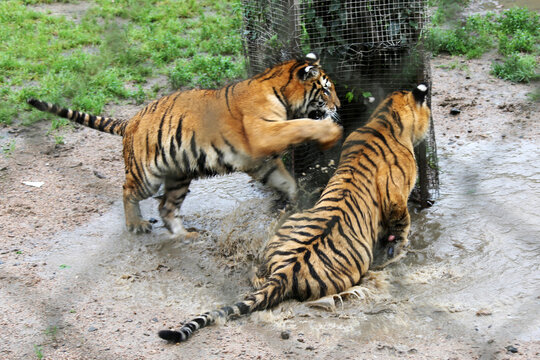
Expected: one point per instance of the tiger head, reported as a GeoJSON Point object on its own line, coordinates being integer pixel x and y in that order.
{"type": "Point", "coordinates": [417, 101]}
{"type": "Point", "coordinates": [310, 91]}
{"type": "Point", "coordinates": [412, 110]}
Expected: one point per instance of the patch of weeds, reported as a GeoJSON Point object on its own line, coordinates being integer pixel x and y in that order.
{"type": "Point", "coordinates": [8, 148]}
{"type": "Point", "coordinates": [454, 65]}
{"type": "Point", "coordinates": [355, 95]}
{"type": "Point", "coordinates": [447, 10]}
{"type": "Point", "coordinates": [7, 113]}
{"type": "Point", "coordinates": [517, 19]}
{"type": "Point", "coordinates": [38, 350]}
{"type": "Point", "coordinates": [517, 68]}
{"type": "Point", "coordinates": [64, 266]}
{"type": "Point", "coordinates": [59, 139]}
{"type": "Point", "coordinates": [535, 95]}
{"type": "Point", "coordinates": [472, 38]}
{"type": "Point", "coordinates": [520, 41]}
{"type": "Point", "coordinates": [205, 71]}
{"type": "Point", "coordinates": [139, 95]}
{"type": "Point", "coordinates": [58, 123]}
{"type": "Point", "coordinates": [51, 332]}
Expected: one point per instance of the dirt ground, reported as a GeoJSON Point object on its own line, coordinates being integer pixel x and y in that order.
{"type": "Point", "coordinates": [76, 285]}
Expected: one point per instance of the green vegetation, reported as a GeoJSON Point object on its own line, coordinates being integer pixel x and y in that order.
{"type": "Point", "coordinates": [517, 68]}
{"type": "Point", "coordinates": [108, 53]}
{"type": "Point", "coordinates": [38, 350]}
{"type": "Point", "coordinates": [515, 33]}
{"type": "Point", "coordinates": [534, 95]}
{"type": "Point", "coordinates": [8, 147]}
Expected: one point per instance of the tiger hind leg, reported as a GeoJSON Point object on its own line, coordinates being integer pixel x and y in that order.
{"type": "Point", "coordinates": [134, 192]}
{"type": "Point", "coordinates": [399, 224]}
{"type": "Point", "coordinates": [169, 208]}
{"type": "Point", "coordinates": [259, 276]}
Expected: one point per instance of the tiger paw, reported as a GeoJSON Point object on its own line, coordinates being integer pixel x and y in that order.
{"type": "Point", "coordinates": [139, 226]}
{"type": "Point", "coordinates": [329, 134]}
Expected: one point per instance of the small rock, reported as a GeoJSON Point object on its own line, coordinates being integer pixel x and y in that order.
{"type": "Point", "coordinates": [300, 340]}
{"type": "Point", "coordinates": [311, 348]}
{"type": "Point", "coordinates": [511, 349]}
{"type": "Point", "coordinates": [155, 319]}
{"type": "Point", "coordinates": [285, 335]}
{"type": "Point", "coordinates": [99, 175]}
{"type": "Point", "coordinates": [454, 111]}
{"type": "Point", "coordinates": [92, 329]}
{"type": "Point", "coordinates": [483, 312]}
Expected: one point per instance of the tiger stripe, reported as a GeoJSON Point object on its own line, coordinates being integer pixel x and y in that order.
{"type": "Point", "coordinates": [328, 248]}
{"type": "Point", "coordinates": [243, 126]}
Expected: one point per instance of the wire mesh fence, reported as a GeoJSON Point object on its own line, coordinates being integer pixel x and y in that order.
{"type": "Point", "coordinates": [369, 48]}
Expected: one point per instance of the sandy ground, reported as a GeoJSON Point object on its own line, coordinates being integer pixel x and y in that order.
{"type": "Point", "coordinates": [75, 285]}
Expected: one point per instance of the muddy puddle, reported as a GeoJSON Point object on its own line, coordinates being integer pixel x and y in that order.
{"type": "Point", "coordinates": [473, 273]}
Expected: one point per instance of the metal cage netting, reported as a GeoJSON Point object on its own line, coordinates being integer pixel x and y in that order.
{"type": "Point", "coordinates": [369, 48]}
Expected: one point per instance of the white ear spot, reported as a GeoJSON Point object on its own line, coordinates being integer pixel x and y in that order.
{"type": "Point", "coordinates": [422, 88]}
{"type": "Point", "coordinates": [371, 99]}
{"type": "Point", "coordinates": [311, 56]}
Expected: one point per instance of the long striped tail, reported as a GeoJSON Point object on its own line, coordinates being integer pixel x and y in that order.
{"type": "Point", "coordinates": [105, 124]}
{"type": "Point", "coordinates": [270, 294]}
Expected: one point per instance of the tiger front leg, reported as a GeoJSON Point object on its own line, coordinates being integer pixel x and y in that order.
{"type": "Point", "coordinates": [132, 211]}
{"type": "Point", "coordinates": [268, 138]}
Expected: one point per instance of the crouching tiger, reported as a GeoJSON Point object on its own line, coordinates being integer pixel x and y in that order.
{"type": "Point", "coordinates": [328, 248]}
{"type": "Point", "coordinates": [198, 133]}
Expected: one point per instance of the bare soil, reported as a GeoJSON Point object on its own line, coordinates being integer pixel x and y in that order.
{"type": "Point", "coordinates": [75, 285]}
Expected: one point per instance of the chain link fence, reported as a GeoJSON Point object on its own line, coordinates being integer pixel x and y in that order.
{"type": "Point", "coordinates": [369, 48]}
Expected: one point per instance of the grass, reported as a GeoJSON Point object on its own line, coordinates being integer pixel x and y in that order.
{"type": "Point", "coordinates": [515, 33]}
{"type": "Point", "coordinates": [8, 148]}
{"type": "Point", "coordinates": [534, 95]}
{"type": "Point", "coordinates": [517, 68]}
{"type": "Point", "coordinates": [38, 350]}
{"type": "Point", "coordinates": [108, 53]}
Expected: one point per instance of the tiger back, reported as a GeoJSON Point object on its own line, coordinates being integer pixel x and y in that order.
{"type": "Point", "coordinates": [198, 133]}
{"type": "Point", "coordinates": [328, 248]}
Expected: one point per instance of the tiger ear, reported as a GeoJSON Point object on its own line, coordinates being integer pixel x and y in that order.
{"type": "Point", "coordinates": [312, 59]}
{"type": "Point", "coordinates": [308, 72]}
{"type": "Point", "coordinates": [420, 93]}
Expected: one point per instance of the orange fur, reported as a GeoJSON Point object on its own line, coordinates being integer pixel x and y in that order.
{"type": "Point", "coordinates": [328, 248]}
{"type": "Point", "coordinates": [241, 127]}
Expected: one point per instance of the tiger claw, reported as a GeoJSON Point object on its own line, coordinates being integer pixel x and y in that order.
{"type": "Point", "coordinates": [140, 227]}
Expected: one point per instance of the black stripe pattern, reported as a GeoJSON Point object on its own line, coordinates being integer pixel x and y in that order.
{"type": "Point", "coordinates": [105, 124]}
{"type": "Point", "coordinates": [328, 248]}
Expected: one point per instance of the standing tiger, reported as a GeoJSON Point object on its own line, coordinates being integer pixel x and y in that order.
{"type": "Point", "coordinates": [198, 133]}
{"type": "Point", "coordinates": [328, 248]}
